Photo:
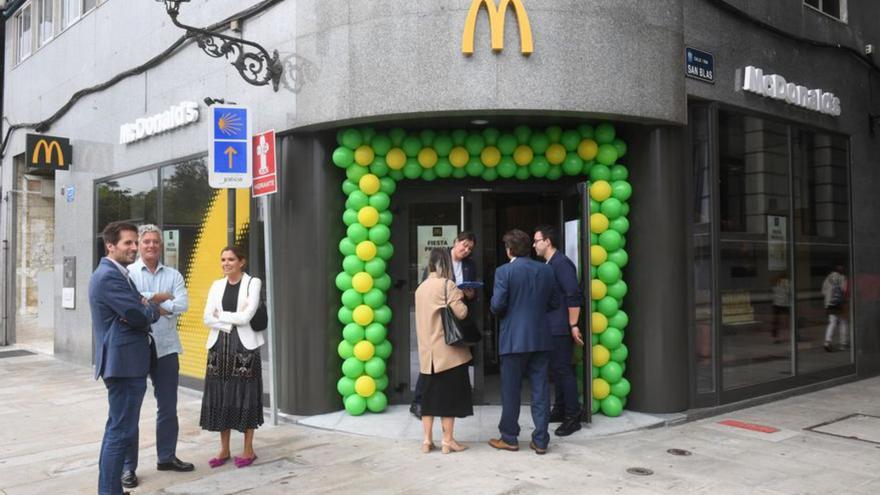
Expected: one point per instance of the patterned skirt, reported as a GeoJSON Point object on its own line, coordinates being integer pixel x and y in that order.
{"type": "Point", "coordinates": [233, 397]}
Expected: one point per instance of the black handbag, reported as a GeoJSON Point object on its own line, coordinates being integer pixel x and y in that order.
{"type": "Point", "coordinates": [456, 332]}
{"type": "Point", "coordinates": [260, 320]}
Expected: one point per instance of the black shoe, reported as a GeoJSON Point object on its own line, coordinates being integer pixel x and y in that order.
{"type": "Point", "coordinates": [828, 347]}
{"type": "Point", "coordinates": [416, 410]}
{"type": "Point", "coordinates": [569, 426]}
{"type": "Point", "coordinates": [129, 479]}
{"type": "Point", "coordinates": [175, 465]}
{"type": "Point", "coordinates": [557, 415]}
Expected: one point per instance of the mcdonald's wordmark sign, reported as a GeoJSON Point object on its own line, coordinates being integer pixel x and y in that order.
{"type": "Point", "coordinates": [48, 152]}
{"type": "Point", "coordinates": [497, 14]}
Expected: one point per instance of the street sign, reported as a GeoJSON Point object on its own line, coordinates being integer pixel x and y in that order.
{"type": "Point", "coordinates": [699, 65]}
{"type": "Point", "coordinates": [264, 164]}
{"type": "Point", "coordinates": [229, 154]}
{"type": "Point", "coordinates": [48, 152]}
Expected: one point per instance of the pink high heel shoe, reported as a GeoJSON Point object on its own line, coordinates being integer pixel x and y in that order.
{"type": "Point", "coordinates": [241, 462]}
{"type": "Point", "coordinates": [216, 462]}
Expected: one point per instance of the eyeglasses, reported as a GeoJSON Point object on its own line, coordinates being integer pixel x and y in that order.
{"type": "Point", "coordinates": [537, 241]}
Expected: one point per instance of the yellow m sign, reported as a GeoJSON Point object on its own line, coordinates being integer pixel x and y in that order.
{"type": "Point", "coordinates": [48, 151]}
{"type": "Point", "coordinates": [496, 25]}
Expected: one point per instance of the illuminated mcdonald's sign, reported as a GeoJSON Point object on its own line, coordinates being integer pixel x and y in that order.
{"type": "Point", "coordinates": [48, 151]}
{"type": "Point", "coordinates": [496, 25]}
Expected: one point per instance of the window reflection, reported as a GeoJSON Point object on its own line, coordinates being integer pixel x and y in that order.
{"type": "Point", "coordinates": [134, 198]}
{"type": "Point", "coordinates": [185, 198]}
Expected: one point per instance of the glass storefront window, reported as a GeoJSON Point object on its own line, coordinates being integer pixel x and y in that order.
{"type": "Point", "coordinates": [133, 198]}
{"type": "Point", "coordinates": [185, 198]}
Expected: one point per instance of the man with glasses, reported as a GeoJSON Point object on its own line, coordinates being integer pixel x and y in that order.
{"type": "Point", "coordinates": [563, 324]}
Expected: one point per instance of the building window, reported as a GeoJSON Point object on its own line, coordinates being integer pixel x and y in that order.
{"type": "Point", "coordinates": [45, 21]}
{"type": "Point", "coordinates": [23, 33]}
{"type": "Point", "coordinates": [833, 8]}
{"type": "Point", "coordinates": [70, 12]}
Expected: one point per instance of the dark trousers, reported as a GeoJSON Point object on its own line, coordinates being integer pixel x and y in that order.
{"type": "Point", "coordinates": [534, 366]}
{"type": "Point", "coordinates": [125, 396]}
{"type": "Point", "coordinates": [165, 376]}
{"type": "Point", "coordinates": [564, 382]}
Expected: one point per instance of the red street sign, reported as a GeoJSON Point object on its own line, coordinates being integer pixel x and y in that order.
{"type": "Point", "coordinates": [265, 178]}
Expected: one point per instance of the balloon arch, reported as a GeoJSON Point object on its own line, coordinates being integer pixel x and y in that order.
{"type": "Point", "coordinates": [375, 162]}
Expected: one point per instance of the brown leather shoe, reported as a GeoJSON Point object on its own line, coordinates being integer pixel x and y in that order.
{"type": "Point", "coordinates": [537, 449]}
{"type": "Point", "coordinates": [502, 445]}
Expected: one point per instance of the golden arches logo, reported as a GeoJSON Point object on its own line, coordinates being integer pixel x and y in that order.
{"type": "Point", "coordinates": [496, 25]}
{"type": "Point", "coordinates": [48, 148]}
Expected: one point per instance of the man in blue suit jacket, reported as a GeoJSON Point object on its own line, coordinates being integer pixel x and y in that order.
{"type": "Point", "coordinates": [121, 321]}
{"type": "Point", "coordinates": [525, 290]}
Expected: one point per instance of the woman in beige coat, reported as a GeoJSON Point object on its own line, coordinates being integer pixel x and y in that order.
{"type": "Point", "coordinates": [443, 368]}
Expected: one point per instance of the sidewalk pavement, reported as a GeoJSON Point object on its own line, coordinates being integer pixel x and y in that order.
{"type": "Point", "coordinates": [52, 415]}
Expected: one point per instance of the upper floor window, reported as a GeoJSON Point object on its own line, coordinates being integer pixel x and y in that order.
{"type": "Point", "coordinates": [22, 26]}
{"type": "Point", "coordinates": [38, 21]}
{"type": "Point", "coordinates": [45, 21]}
{"type": "Point", "coordinates": [833, 8]}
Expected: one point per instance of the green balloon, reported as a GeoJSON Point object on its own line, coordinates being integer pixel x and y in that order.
{"type": "Point", "coordinates": [620, 354]}
{"type": "Point", "coordinates": [619, 172]}
{"type": "Point", "coordinates": [397, 175]}
{"type": "Point", "coordinates": [604, 133]}
{"type": "Point", "coordinates": [385, 218]}
{"type": "Point", "coordinates": [619, 320]}
{"type": "Point", "coordinates": [443, 145]}
{"type": "Point", "coordinates": [507, 143]}
{"type": "Point", "coordinates": [593, 308]}
{"type": "Point", "coordinates": [554, 173]}
{"type": "Point", "coordinates": [429, 174]}
{"type": "Point", "coordinates": [397, 135]}
{"type": "Point", "coordinates": [489, 174]}
{"type": "Point", "coordinates": [427, 136]}
{"type": "Point", "coordinates": [382, 315]}
{"type": "Point", "coordinates": [382, 283]}
{"type": "Point", "coordinates": [612, 372]}
{"type": "Point", "coordinates": [443, 168]}
{"type": "Point", "coordinates": [349, 187]}
{"type": "Point", "coordinates": [611, 208]}
{"type": "Point", "coordinates": [343, 157]}
{"type": "Point", "coordinates": [620, 146]}
{"type": "Point", "coordinates": [375, 298]}
{"type": "Point", "coordinates": [599, 172]}
{"type": "Point", "coordinates": [412, 169]}
{"type": "Point", "coordinates": [490, 134]}
{"type": "Point", "coordinates": [594, 406]}
{"type": "Point", "coordinates": [352, 367]}
{"type": "Point", "coordinates": [607, 306]}
{"type": "Point", "coordinates": [379, 167]}
{"type": "Point", "coordinates": [352, 298]}
{"type": "Point", "coordinates": [539, 143]}
{"type": "Point", "coordinates": [593, 271]}
{"type": "Point", "coordinates": [474, 144]}
{"type": "Point", "coordinates": [554, 133]}
{"type": "Point", "coordinates": [376, 333]}
{"type": "Point", "coordinates": [594, 339]}
{"type": "Point", "coordinates": [585, 170]}
{"type": "Point", "coordinates": [458, 136]}
{"type": "Point", "coordinates": [353, 333]}
{"type": "Point", "coordinates": [621, 190]}
{"type": "Point", "coordinates": [586, 131]}
{"type": "Point", "coordinates": [611, 338]}
{"type": "Point", "coordinates": [345, 349]}
{"type": "Point", "coordinates": [381, 144]}
{"type": "Point", "coordinates": [539, 166]}
{"type": "Point", "coordinates": [380, 201]}
{"type": "Point", "coordinates": [523, 133]}
{"type": "Point", "coordinates": [375, 367]}
{"type": "Point", "coordinates": [375, 267]}
{"type": "Point", "coordinates": [619, 257]}
{"type": "Point", "coordinates": [381, 383]}
{"type": "Point", "coordinates": [572, 164]}
{"type": "Point", "coordinates": [349, 217]}
{"type": "Point", "coordinates": [607, 154]}
{"type": "Point", "coordinates": [343, 281]}
{"type": "Point", "coordinates": [368, 133]}
{"type": "Point", "coordinates": [623, 367]}
{"type": "Point", "coordinates": [611, 406]}
{"type": "Point", "coordinates": [621, 389]}
{"type": "Point", "coordinates": [345, 386]}
{"type": "Point", "coordinates": [357, 233]}
{"type": "Point", "coordinates": [379, 234]}
{"type": "Point", "coordinates": [595, 207]}
{"type": "Point", "coordinates": [611, 240]}
{"type": "Point", "coordinates": [387, 185]}
{"type": "Point", "coordinates": [383, 350]}
{"type": "Point", "coordinates": [358, 200]}
{"type": "Point", "coordinates": [352, 264]}
{"type": "Point", "coordinates": [459, 173]}
{"type": "Point", "coordinates": [522, 173]}
{"type": "Point", "coordinates": [625, 211]}
{"type": "Point", "coordinates": [377, 402]}
{"type": "Point", "coordinates": [474, 167]}
{"type": "Point", "coordinates": [608, 272]}
{"type": "Point", "coordinates": [411, 146]}
{"type": "Point", "coordinates": [618, 290]}
{"type": "Point", "coordinates": [506, 167]}
{"type": "Point", "coordinates": [344, 315]}
{"type": "Point", "coordinates": [619, 224]}
{"type": "Point", "coordinates": [355, 404]}
{"type": "Point", "coordinates": [352, 138]}
{"type": "Point", "coordinates": [570, 140]}
{"type": "Point", "coordinates": [385, 251]}
{"type": "Point", "coordinates": [355, 172]}
{"type": "Point", "coordinates": [595, 372]}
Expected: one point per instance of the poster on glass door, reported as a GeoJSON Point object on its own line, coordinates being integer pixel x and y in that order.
{"type": "Point", "coordinates": [429, 237]}
{"type": "Point", "coordinates": [777, 260]}
{"type": "Point", "coordinates": [170, 246]}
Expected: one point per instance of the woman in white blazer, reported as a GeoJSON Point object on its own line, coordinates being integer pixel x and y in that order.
{"type": "Point", "coordinates": [233, 396]}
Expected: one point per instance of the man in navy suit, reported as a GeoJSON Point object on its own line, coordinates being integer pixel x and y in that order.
{"type": "Point", "coordinates": [121, 320]}
{"type": "Point", "coordinates": [525, 290]}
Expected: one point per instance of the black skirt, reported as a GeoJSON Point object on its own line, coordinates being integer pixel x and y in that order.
{"type": "Point", "coordinates": [233, 398]}
{"type": "Point", "coordinates": [447, 394]}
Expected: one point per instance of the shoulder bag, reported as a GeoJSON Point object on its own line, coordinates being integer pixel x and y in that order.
{"type": "Point", "coordinates": [260, 320]}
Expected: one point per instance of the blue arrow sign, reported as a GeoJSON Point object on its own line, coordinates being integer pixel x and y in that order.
{"type": "Point", "coordinates": [230, 149]}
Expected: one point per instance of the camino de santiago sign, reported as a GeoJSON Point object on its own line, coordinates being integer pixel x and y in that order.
{"type": "Point", "coordinates": [48, 152]}
{"type": "Point", "coordinates": [229, 159]}
{"type": "Point", "coordinates": [497, 13]}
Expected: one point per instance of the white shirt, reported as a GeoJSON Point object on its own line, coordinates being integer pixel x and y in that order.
{"type": "Point", "coordinates": [457, 272]}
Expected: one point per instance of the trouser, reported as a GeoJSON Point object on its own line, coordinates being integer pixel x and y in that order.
{"type": "Point", "coordinates": [535, 366]}
{"type": "Point", "coordinates": [164, 375]}
{"type": "Point", "coordinates": [835, 320]}
{"type": "Point", "coordinates": [564, 382]}
{"type": "Point", "coordinates": [125, 396]}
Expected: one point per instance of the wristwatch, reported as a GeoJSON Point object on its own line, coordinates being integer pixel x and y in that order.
{"type": "Point", "coordinates": [573, 325]}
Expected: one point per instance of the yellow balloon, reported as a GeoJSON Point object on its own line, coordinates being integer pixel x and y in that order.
{"type": "Point", "coordinates": [364, 350]}
{"type": "Point", "coordinates": [364, 155]}
{"type": "Point", "coordinates": [368, 216]}
{"type": "Point", "coordinates": [365, 386]}
{"type": "Point", "coordinates": [365, 250]}
{"type": "Point", "coordinates": [363, 315]}
{"type": "Point", "coordinates": [598, 322]}
{"type": "Point", "coordinates": [362, 282]}
{"type": "Point", "coordinates": [598, 224]}
{"type": "Point", "coordinates": [555, 153]}
{"type": "Point", "coordinates": [459, 157]}
{"type": "Point", "coordinates": [523, 155]}
{"type": "Point", "coordinates": [369, 184]}
{"type": "Point", "coordinates": [588, 149]}
{"type": "Point", "coordinates": [601, 389]}
{"type": "Point", "coordinates": [601, 355]}
{"type": "Point", "coordinates": [427, 157]}
{"type": "Point", "coordinates": [598, 255]}
{"type": "Point", "coordinates": [490, 156]}
{"type": "Point", "coordinates": [395, 159]}
{"type": "Point", "coordinates": [598, 289]}
{"type": "Point", "coordinates": [600, 190]}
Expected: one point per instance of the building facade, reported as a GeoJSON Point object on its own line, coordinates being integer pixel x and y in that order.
{"type": "Point", "coordinates": [751, 159]}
